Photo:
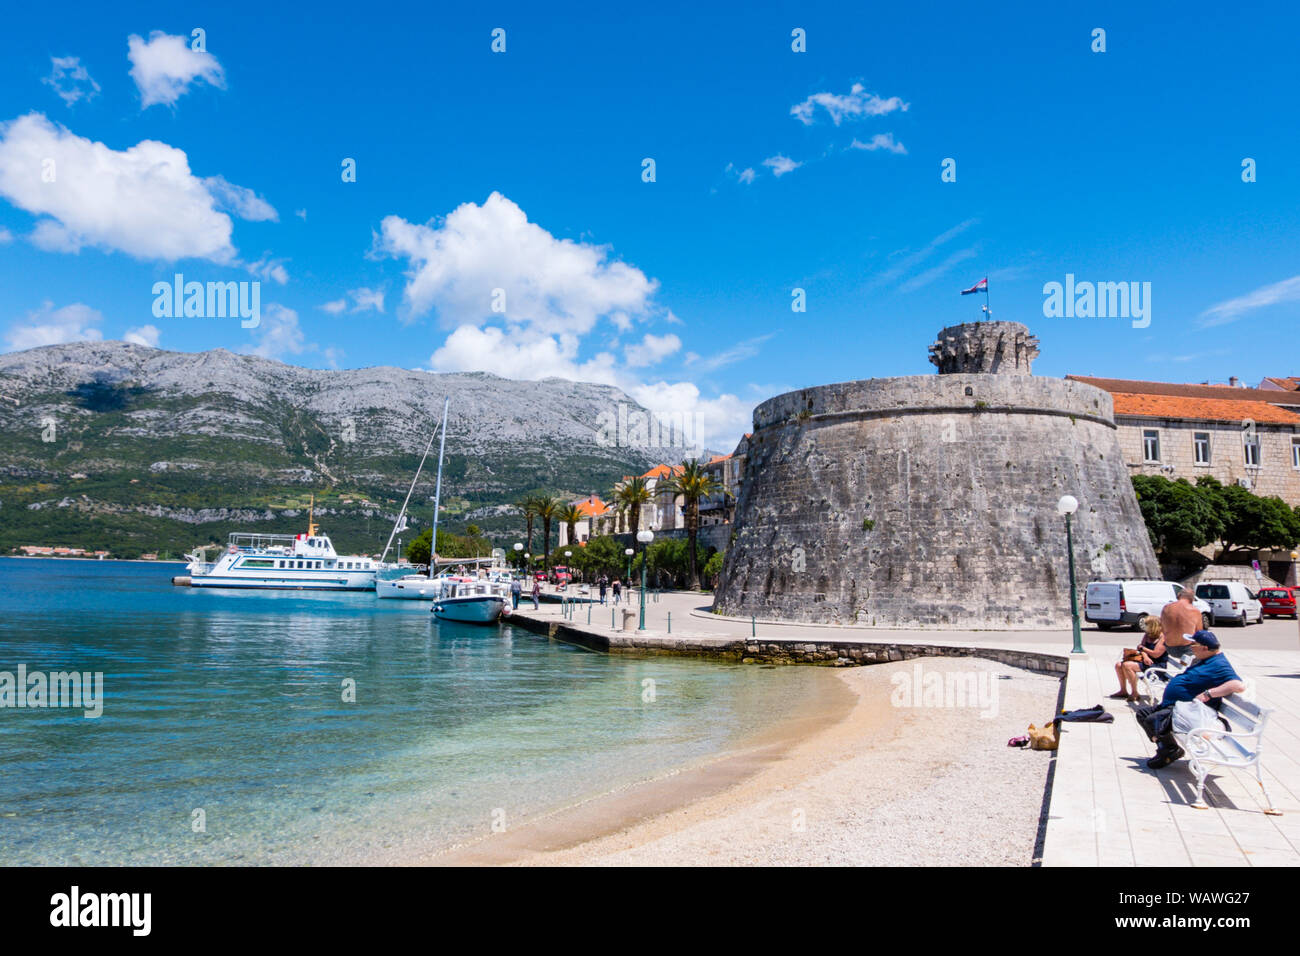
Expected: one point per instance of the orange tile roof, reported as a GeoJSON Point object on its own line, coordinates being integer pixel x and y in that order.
{"type": "Point", "coordinates": [662, 471]}
{"type": "Point", "coordinates": [717, 458]}
{"type": "Point", "coordinates": [1118, 386]}
{"type": "Point", "coordinates": [1288, 384]}
{"type": "Point", "coordinates": [591, 507]}
{"type": "Point", "coordinates": [1201, 409]}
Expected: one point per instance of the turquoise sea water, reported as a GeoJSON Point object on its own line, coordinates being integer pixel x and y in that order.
{"type": "Point", "coordinates": [232, 702]}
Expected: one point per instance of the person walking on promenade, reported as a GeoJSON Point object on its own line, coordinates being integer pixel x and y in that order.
{"type": "Point", "coordinates": [603, 584]}
{"type": "Point", "coordinates": [515, 590]}
{"type": "Point", "coordinates": [537, 594]}
{"type": "Point", "coordinates": [618, 589]}
{"type": "Point", "coordinates": [1179, 619]}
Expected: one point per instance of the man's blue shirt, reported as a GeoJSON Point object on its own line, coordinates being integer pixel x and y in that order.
{"type": "Point", "coordinates": [1197, 679]}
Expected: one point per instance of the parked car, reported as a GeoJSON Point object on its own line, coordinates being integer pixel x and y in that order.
{"type": "Point", "coordinates": [1278, 602]}
{"type": "Point", "coordinates": [1231, 601]}
{"type": "Point", "coordinates": [1117, 603]}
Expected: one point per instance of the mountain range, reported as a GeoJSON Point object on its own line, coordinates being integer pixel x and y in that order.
{"type": "Point", "coordinates": [131, 449]}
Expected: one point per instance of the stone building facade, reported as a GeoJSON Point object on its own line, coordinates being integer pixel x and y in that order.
{"type": "Point", "coordinates": [1249, 437]}
{"type": "Point", "coordinates": [931, 500]}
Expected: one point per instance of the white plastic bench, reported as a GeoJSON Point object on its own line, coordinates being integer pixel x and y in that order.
{"type": "Point", "coordinates": [1151, 682]}
{"type": "Point", "coordinates": [1239, 748]}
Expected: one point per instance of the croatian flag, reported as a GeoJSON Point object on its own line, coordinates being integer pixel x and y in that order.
{"type": "Point", "coordinates": [981, 286]}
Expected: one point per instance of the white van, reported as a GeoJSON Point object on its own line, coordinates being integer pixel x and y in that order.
{"type": "Point", "coordinates": [1116, 603]}
{"type": "Point", "coordinates": [1231, 601]}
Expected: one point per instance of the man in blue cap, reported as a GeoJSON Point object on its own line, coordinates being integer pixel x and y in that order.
{"type": "Point", "coordinates": [1209, 678]}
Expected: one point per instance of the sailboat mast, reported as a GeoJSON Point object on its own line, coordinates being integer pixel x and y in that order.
{"type": "Point", "coordinates": [398, 523]}
{"type": "Point", "coordinates": [437, 490]}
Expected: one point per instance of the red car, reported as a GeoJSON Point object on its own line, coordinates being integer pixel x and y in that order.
{"type": "Point", "coordinates": [1278, 602]}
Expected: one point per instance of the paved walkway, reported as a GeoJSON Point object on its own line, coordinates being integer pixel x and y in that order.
{"type": "Point", "coordinates": [1106, 807]}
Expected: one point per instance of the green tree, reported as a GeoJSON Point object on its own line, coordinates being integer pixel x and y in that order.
{"type": "Point", "coordinates": [713, 569]}
{"type": "Point", "coordinates": [570, 515]}
{"type": "Point", "coordinates": [1251, 523]}
{"type": "Point", "coordinates": [1178, 516]}
{"type": "Point", "coordinates": [547, 508]}
{"type": "Point", "coordinates": [693, 483]}
{"type": "Point", "coordinates": [630, 498]}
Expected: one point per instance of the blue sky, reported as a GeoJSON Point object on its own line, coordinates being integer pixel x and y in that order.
{"type": "Point", "coordinates": [522, 171]}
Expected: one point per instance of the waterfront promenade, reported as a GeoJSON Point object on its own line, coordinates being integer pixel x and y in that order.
{"type": "Point", "coordinates": [1103, 807]}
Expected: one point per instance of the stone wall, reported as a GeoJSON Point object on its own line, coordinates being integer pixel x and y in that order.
{"type": "Point", "coordinates": [1277, 474]}
{"type": "Point", "coordinates": [930, 501]}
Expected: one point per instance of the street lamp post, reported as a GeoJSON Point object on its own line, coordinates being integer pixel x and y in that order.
{"type": "Point", "coordinates": [628, 552]}
{"type": "Point", "coordinates": [1067, 506]}
{"type": "Point", "coordinates": [568, 555]}
{"type": "Point", "coordinates": [518, 555]}
{"type": "Point", "coordinates": [645, 537]}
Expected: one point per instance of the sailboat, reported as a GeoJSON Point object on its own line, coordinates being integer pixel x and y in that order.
{"type": "Point", "coordinates": [476, 597]}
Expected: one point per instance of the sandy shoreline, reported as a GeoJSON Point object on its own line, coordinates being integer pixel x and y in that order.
{"type": "Point", "coordinates": [853, 780]}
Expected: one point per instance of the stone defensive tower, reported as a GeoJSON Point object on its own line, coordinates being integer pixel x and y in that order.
{"type": "Point", "coordinates": [930, 500]}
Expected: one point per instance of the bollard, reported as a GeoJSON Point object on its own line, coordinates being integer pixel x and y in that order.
{"type": "Point", "coordinates": [588, 612]}
{"type": "Point", "coordinates": [753, 632]}
{"type": "Point", "coordinates": [611, 619]}
{"type": "Point", "coordinates": [670, 622]}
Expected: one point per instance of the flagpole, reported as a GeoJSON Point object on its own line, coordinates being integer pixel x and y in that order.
{"type": "Point", "coordinates": [986, 299]}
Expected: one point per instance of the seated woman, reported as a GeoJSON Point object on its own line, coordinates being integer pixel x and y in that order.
{"type": "Point", "coordinates": [1150, 653]}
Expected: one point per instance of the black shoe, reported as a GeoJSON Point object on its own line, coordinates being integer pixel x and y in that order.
{"type": "Point", "coordinates": [1164, 758]}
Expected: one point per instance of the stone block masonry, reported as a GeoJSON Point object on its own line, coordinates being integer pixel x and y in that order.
{"type": "Point", "coordinates": [930, 501]}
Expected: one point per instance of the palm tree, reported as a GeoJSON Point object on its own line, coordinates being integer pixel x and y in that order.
{"type": "Point", "coordinates": [693, 483]}
{"type": "Point", "coordinates": [570, 515]}
{"type": "Point", "coordinates": [547, 509]}
{"type": "Point", "coordinates": [631, 497]}
{"type": "Point", "coordinates": [528, 506]}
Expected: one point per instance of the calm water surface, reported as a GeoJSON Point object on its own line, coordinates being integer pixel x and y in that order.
{"type": "Point", "coordinates": [232, 702]}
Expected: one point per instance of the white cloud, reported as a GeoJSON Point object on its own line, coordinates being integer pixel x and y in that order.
{"type": "Point", "coordinates": [365, 299]}
{"type": "Point", "coordinates": [70, 80]}
{"type": "Point", "coordinates": [709, 422]}
{"type": "Point", "coordinates": [301, 214]}
{"type": "Point", "coordinates": [278, 334]}
{"type": "Point", "coordinates": [913, 259]}
{"type": "Point", "coordinates": [738, 352]}
{"type": "Point", "coordinates": [744, 176]}
{"type": "Point", "coordinates": [143, 201]}
{"type": "Point", "coordinates": [1288, 290]}
{"type": "Point", "coordinates": [651, 350]}
{"type": "Point", "coordinates": [269, 270]}
{"type": "Point", "coordinates": [50, 326]}
{"type": "Point", "coordinates": [550, 285]}
{"type": "Point", "coordinates": [144, 335]}
{"type": "Point", "coordinates": [883, 141]}
{"type": "Point", "coordinates": [929, 275]}
{"type": "Point", "coordinates": [780, 165]}
{"type": "Point", "coordinates": [336, 307]}
{"type": "Point", "coordinates": [239, 200]}
{"type": "Point", "coordinates": [164, 66]}
{"type": "Point", "coordinates": [5, 235]}
{"type": "Point", "coordinates": [853, 105]}
{"type": "Point", "coordinates": [523, 355]}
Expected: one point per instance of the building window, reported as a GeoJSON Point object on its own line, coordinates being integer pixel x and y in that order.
{"type": "Point", "coordinates": [1295, 453]}
{"type": "Point", "coordinates": [1250, 446]}
{"type": "Point", "coordinates": [1201, 447]}
{"type": "Point", "coordinates": [1151, 445]}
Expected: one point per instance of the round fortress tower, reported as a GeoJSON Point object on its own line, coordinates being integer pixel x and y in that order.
{"type": "Point", "coordinates": [930, 500]}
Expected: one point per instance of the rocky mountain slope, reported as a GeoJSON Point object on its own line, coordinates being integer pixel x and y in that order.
{"type": "Point", "coordinates": [132, 448]}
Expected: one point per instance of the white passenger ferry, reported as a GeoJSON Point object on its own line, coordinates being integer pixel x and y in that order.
{"type": "Point", "coordinates": [283, 561]}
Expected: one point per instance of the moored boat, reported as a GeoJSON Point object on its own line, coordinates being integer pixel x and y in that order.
{"type": "Point", "coordinates": [302, 562]}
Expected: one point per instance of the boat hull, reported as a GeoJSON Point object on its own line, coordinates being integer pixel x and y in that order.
{"type": "Point", "coordinates": [469, 610]}
{"type": "Point", "coordinates": [405, 589]}
{"type": "Point", "coordinates": [323, 581]}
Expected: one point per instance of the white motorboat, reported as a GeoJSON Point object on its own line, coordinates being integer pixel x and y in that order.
{"type": "Point", "coordinates": [478, 598]}
{"type": "Point", "coordinates": [303, 562]}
